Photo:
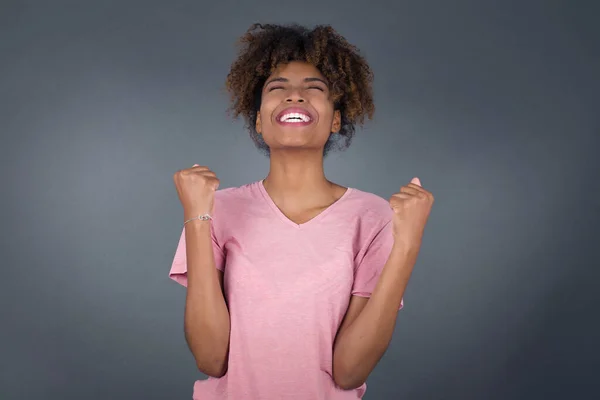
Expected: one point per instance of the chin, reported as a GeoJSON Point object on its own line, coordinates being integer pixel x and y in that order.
{"type": "Point", "coordinates": [296, 140]}
{"type": "Point", "coordinates": [293, 146]}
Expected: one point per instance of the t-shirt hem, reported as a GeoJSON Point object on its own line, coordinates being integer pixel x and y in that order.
{"type": "Point", "coordinates": [368, 295]}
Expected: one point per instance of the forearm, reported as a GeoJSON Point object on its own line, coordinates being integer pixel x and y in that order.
{"type": "Point", "coordinates": [361, 345]}
{"type": "Point", "coordinates": [206, 315]}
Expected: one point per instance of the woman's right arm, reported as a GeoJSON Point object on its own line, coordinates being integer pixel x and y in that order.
{"type": "Point", "coordinates": [206, 315]}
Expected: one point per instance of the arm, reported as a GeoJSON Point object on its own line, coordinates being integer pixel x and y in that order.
{"type": "Point", "coordinates": [367, 328]}
{"type": "Point", "coordinates": [368, 325]}
{"type": "Point", "coordinates": [206, 315]}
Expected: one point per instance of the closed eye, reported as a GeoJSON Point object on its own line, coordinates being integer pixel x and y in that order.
{"type": "Point", "coordinates": [274, 88]}
{"type": "Point", "coordinates": [317, 87]}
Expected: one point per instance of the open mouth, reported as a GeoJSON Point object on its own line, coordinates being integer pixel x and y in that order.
{"type": "Point", "coordinates": [294, 116]}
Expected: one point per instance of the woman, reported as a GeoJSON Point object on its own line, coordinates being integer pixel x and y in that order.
{"type": "Point", "coordinates": [294, 282]}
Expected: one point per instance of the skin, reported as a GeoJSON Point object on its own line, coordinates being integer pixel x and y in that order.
{"type": "Point", "coordinates": [206, 316]}
{"type": "Point", "coordinates": [367, 329]}
{"type": "Point", "coordinates": [296, 181]}
{"type": "Point", "coordinates": [297, 184]}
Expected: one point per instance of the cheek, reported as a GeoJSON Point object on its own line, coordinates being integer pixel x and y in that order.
{"type": "Point", "coordinates": [326, 113]}
{"type": "Point", "coordinates": [323, 105]}
{"type": "Point", "coordinates": [266, 111]}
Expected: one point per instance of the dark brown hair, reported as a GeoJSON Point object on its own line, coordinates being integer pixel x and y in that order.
{"type": "Point", "coordinates": [265, 47]}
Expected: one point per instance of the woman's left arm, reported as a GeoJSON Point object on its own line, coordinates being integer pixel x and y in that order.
{"type": "Point", "coordinates": [368, 325]}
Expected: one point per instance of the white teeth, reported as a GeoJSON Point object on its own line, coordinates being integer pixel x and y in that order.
{"type": "Point", "coordinates": [295, 117]}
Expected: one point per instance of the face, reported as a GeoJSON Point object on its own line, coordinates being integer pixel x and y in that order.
{"type": "Point", "coordinates": [297, 109]}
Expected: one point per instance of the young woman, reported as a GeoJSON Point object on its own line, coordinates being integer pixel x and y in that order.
{"type": "Point", "coordinates": [294, 282]}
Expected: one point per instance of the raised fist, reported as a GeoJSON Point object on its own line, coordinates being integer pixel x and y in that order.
{"type": "Point", "coordinates": [196, 188]}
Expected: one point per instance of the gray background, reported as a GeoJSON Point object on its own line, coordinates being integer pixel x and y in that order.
{"type": "Point", "coordinates": [494, 105]}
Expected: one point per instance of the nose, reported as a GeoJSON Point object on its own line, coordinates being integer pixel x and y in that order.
{"type": "Point", "coordinates": [295, 95]}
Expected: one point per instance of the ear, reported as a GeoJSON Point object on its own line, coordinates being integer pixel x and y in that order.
{"type": "Point", "coordinates": [336, 125]}
{"type": "Point", "coordinates": [258, 125]}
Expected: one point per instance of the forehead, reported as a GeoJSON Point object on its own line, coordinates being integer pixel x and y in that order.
{"type": "Point", "coordinates": [296, 70]}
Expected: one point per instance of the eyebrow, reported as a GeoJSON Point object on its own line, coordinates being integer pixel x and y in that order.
{"type": "Point", "coordinates": [281, 79]}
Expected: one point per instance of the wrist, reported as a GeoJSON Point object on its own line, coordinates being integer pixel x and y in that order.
{"type": "Point", "coordinates": [194, 214]}
{"type": "Point", "coordinates": [199, 226]}
{"type": "Point", "coordinates": [203, 219]}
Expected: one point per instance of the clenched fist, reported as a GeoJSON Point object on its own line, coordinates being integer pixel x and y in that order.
{"type": "Point", "coordinates": [411, 205]}
{"type": "Point", "coordinates": [196, 188]}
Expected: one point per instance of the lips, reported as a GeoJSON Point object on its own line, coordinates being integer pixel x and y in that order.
{"type": "Point", "coordinates": [294, 116]}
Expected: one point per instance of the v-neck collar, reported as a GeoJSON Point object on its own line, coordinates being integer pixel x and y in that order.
{"type": "Point", "coordinates": [282, 216]}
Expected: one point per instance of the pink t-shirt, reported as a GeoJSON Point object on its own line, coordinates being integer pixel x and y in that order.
{"type": "Point", "coordinates": [288, 287]}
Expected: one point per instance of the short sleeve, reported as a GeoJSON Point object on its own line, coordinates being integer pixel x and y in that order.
{"type": "Point", "coordinates": [178, 270]}
{"type": "Point", "coordinates": [371, 261]}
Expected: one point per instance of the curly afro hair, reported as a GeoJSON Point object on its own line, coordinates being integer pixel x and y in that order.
{"type": "Point", "coordinates": [265, 47]}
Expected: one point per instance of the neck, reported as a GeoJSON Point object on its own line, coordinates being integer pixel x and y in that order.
{"type": "Point", "coordinates": [297, 178]}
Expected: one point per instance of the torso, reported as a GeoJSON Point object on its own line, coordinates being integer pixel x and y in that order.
{"type": "Point", "coordinates": [288, 280]}
{"type": "Point", "coordinates": [301, 215]}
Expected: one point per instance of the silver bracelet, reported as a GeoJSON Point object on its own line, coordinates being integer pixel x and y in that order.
{"type": "Point", "coordinates": [204, 217]}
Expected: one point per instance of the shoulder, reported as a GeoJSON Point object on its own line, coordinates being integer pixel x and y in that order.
{"type": "Point", "coordinates": [373, 207]}
{"type": "Point", "coordinates": [236, 193]}
{"type": "Point", "coordinates": [232, 200]}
